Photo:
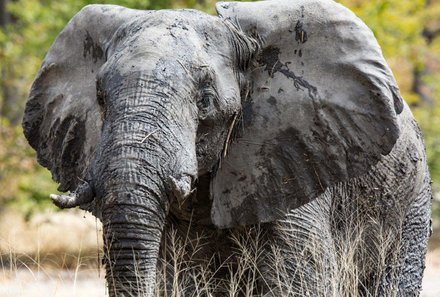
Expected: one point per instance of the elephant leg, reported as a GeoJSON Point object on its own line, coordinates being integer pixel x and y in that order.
{"type": "Point", "coordinates": [301, 254]}
{"type": "Point", "coordinates": [394, 254]}
{"type": "Point", "coordinates": [191, 262]}
{"type": "Point", "coordinates": [415, 233]}
{"type": "Point", "coordinates": [178, 248]}
{"type": "Point", "coordinates": [367, 240]}
{"type": "Point", "coordinates": [380, 238]}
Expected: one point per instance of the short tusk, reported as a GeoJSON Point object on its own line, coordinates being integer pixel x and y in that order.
{"type": "Point", "coordinates": [83, 194]}
{"type": "Point", "coordinates": [181, 187]}
{"type": "Point", "coordinates": [64, 201]}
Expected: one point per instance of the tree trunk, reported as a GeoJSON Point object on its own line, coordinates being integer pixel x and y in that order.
{"type": "Point", "coordinates": [4, 16]}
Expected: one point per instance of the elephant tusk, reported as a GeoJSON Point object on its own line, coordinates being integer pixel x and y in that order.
{"type": "Point", "coordinates": [181, 187]}
{"type": "Point", "coordinates": [64, 201]}
{"type": "Point", "coordinates": [83, 194]}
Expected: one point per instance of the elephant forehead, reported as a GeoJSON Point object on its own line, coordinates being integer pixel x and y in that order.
{"type": "Point", "coordinates": [188, 37]}
{"type": "Point", "coordinates": [172, 27]}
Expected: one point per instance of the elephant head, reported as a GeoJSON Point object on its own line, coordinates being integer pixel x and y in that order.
{"type": "Point", "coordinates": [263, 106]}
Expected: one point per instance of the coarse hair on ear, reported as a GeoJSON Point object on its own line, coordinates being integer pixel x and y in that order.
{"type": "Point", "coordinates": [322, 109]}
{"type": "Point", "coordinates": [62, 119]}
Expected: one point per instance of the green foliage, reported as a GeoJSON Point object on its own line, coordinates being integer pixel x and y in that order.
{"type": "Point", "coordinates": [398, 27]}
{"type": "Point", "coordinates": [25, 185]}
{"type": "Point", "coordinates": [429, 121]}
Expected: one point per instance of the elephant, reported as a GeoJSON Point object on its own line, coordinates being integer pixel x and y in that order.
{"type": "Point", "coordinates": [275, 119]}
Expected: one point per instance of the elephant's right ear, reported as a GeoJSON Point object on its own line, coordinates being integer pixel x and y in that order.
{"type": "Point", "coordinates": [322, 108]}
{"type": "Point", "coordinates": [62, 119]}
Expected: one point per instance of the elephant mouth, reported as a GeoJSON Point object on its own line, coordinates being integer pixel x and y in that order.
{"type": "Point", "coordinates": [196, 207]}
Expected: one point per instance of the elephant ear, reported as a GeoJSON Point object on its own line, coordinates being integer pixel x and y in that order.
{"type": "Point", "coordinates": [322, 109]}
{"type": "Point", "coordinates": [62, 119]}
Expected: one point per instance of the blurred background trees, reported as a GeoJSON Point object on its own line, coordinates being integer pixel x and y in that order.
{"type": "Point", "coordinates": [407, 30]}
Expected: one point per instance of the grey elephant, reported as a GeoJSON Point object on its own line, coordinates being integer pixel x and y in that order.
{"type": "Point", "coordinates": [279, 114]}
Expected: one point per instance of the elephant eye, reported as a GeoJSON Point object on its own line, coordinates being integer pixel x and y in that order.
{"type": "Point", "coordinates": [207, 99]}
{"type": "Point", "coordinates": [204, 102]}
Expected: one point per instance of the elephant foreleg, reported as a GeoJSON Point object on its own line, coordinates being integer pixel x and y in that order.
{"type": "Point", "coordinates": [415, 233]}
{"type": "Point", "coordinates": [301, 259]}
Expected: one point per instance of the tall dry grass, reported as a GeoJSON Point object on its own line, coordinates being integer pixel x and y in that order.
{"type": "Point", "coordinates": [51, 254]}
{"type": "Point", "coordinates": [365, 263]}
{"type": "Point", "coordinates": [184, 272]}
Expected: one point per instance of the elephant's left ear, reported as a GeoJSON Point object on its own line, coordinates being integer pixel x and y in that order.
{"type": "Point", "coordinates": [322, 109]}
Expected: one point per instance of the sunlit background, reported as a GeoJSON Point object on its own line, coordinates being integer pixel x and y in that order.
{"type": "Point", "coordinates": [46, 252]}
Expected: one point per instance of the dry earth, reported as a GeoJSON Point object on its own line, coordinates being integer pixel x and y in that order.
{"type": "Point", "coordinates": [56, 283]}
{"type": "Point", "coordinates": [35, 256]}
{"type": "Point", "coordinates": [431, 280]}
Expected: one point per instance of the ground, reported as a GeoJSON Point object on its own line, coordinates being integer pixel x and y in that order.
{"type": "Point", "coordinates": [431, 279]}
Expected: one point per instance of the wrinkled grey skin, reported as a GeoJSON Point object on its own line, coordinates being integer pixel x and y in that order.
{"type": "Point", "coordinates": [279, 112]}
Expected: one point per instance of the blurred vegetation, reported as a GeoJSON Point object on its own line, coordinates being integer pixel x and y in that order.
{"type": "Point", "coordinates": [25, 185]}
{"type": "Point", "coordinates": [407, 30]}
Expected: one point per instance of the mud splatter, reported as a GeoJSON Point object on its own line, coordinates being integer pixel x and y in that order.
{"type": "Point", "coordinates": [92, 48]}
{"type": "Point", "coordinates": [270, 58]}
{"type": "Point", "coordinates": [300, 33]}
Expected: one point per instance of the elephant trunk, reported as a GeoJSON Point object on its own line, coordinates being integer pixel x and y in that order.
{"type": "Point", "coordinates": [147, 158]}
{"type": "Point", "coordinates": [133, 225]}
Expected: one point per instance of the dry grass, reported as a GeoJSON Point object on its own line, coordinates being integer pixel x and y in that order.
{"type": "Point", "coordinates": [39, 251]}
{"type": "Point", "coordinates": [60, 240]}
{"type": "Point", "coordinates": [49, 255]}
{"type": "Point", "coordinates": [362, 260]}
{"type": "Point", "coordinates": [183, 274]}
